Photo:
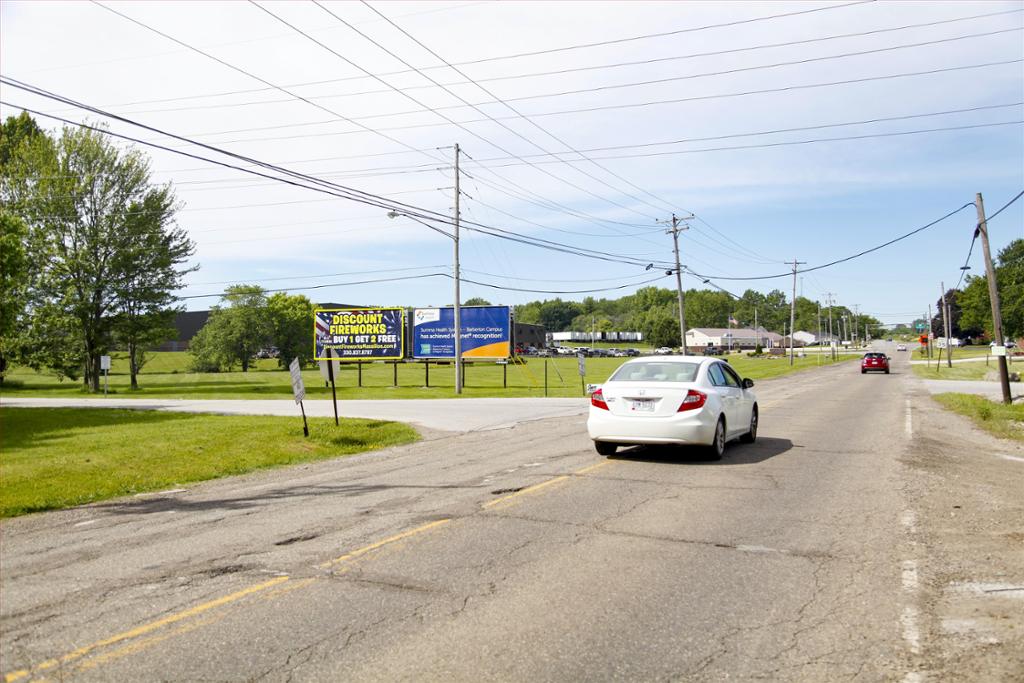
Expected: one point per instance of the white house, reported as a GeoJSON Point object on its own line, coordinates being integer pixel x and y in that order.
{"type": "Point", "coordinates": [736, 337]}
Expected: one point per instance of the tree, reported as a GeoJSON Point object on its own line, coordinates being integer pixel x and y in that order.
{"type": "Point", "coordinates": [149, 269]}
{"type": "Point", "coordinates": [662, 329]}
{"type": "Point", "coordinates": [976, 309]}
{"type": "Point", "coordinates": [557, 315]}
{"type": "Point", "coordinates": [79, 196]}
{"type": "Point", "coordinates": [15, 132]}
{"type": "Point", "coordinates": [291, 327]}
{"type": "Point", "coordinates": [476, 301]}
{"type": "Point", "coordinates": [13, 283]}
{"type": "Point", "coordinates": [233, 334]}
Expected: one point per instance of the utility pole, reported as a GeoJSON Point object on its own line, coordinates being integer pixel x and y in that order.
{"type": "Point", "coordinates": [831, 337]}
{"type": "Point", "coordinates": [819, 333]}
{"type": "Point", "coordinates": [947, 327]}
{"type": "Point", "coordinates": [757, 330]}
{"type": "Point", "coordinates": [856, 315]}
{"type": "Point", "coordinates": [458, 306]}
{"type": "Point", "coordinates": [678, 227]}
{"type": "Point", "coordinates": [792, 310]}
{"type": "Point", "coordinates": [993, 295]}
{"type": "Point", "coordinates": [930, 335]}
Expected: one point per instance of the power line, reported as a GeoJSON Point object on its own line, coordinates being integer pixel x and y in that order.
{"type": "Point", "coordinates": [592, 89]}
{"type": "Point", "coordinates": [633, 105]}
{"type": "Point", "coordinates": [533, 123]}
{"type": "Point", "coordinates": [506, 57]}
{"type": "Point", "coordinates": [977, 232]}
{"type": "Point", "coordinates": [433, 110]}
{"type": "Point", "coordinates": [847, 258]}
{"type": "Point", "coordinates": [324, 187]}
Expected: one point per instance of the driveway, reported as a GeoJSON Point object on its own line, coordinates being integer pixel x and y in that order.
{"type": "Point", "coordinates": [451, 415]}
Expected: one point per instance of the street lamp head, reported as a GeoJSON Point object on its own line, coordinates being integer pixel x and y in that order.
{"type": "Point", "coordinates": [393, 214]}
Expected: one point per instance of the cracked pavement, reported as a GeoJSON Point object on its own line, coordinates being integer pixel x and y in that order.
{"type": "Point", "coordinates": [780, 562]}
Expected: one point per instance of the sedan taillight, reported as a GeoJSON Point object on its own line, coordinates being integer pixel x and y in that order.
{"type": "Point", "coordinates": [597, 400]}
{"type": "Point", "coordinates": [694, 399]}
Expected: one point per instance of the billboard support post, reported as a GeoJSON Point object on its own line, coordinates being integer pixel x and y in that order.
{"type": "Point", "coordinates": [360, 367]}
{"type": "Point", "coordinates": [395, 366]}
{"type": "Point", "coordinates": [545, 378]}
{"type": "Point", "coordinates": [334, 392]}
{"type": "Point", "coordinates": [426, 374]}
{"type": "Point", "coordinates": [504, 376]}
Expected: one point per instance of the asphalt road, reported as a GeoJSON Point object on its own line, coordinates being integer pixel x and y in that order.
{"type": "Point", "coordinates": [508, 554]}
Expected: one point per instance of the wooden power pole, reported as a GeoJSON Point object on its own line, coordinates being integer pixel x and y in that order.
{"type": "Point", "coordinates": [993, 295]}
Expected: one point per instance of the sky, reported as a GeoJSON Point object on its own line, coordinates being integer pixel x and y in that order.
{"type": "Point", "coordinates": [582, 127]}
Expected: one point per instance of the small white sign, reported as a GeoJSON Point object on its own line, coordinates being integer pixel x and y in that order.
{"type": "Point", "coordinates": [105, 363]}
{"type": "Point", "coordinates": [298, 388]}
{"type": "Point", "coordinates": [998, 350]}
{"type": "Point", "coordinates": [581, 359]}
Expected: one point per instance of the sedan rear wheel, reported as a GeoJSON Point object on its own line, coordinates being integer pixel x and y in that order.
{"type": "Point", "coordinates": [604, 448]}
{"type": "Point", "coordinates": [717, 448]}
{"type": "Point", "coordinates": [751, 436]}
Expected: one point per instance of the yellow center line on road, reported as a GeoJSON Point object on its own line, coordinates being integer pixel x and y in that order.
{"type": "Point", "coordinates": [545, 484]}
{"type": "Point", "coordinates": [152, 626]}
{"type": "Point", "coordinates": [145, 628]}
{"type": "Point", "coordinates": [193, 611]}
{"type": "Point", "coordinates": [373, 546]}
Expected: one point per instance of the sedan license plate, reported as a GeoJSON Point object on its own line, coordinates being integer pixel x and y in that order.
{"type": "Point", "coordinates": [643, 405]}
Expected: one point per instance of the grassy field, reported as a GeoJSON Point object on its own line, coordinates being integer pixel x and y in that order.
{"type": "Point", "coordinates": [61, 457]}
{"type": "Point", "coordinates": [971, 371]}
{"type": "Point", "coordinates": [1004, 421]}
{"type": "Point", "coordinates": [958, 352]}
{"type": "Point", "coordinates": [166, 376]}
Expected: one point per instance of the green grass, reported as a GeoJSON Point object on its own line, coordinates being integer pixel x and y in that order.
{"type": "Point", "coordinates": [165, 377]}
{"type": "Point", "coordinates": [60, 457]}
{"type": "Point", "coordinates": [968, 371]}
{"type": "Point", "coordinates": [1004, 421]}
{"type": "Point", "coordinates": [958, 352]}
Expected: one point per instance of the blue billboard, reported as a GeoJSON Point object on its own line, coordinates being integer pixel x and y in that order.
{"type": "Point", "coordinates": [358, 333]}
{"type": "Point", "coordinates": [486, 332]}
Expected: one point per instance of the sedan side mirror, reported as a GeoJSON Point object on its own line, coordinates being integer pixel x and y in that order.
{"type": "Point", "coordinates": [747, 383]}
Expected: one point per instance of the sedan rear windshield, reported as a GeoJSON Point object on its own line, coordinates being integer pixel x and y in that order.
{"type": "Point", "coordinates": [656, 372]}
{"type": "Point", "coordinates": [874, 355]}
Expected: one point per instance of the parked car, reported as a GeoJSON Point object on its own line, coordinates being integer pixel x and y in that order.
{"type": "Point", "coordinates": [874, 362]}
{"type": "Point", "coordinates": [663, 351]}
{"type": "Point", "coordinates": [901, 347]}
{"type": "Point", "coordinates": [681, 400]}
{"type": "Point", "coordinates": [632, 352]}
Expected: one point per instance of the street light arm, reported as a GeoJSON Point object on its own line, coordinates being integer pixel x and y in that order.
{"type": "Point", "coordinates": [396, 214]}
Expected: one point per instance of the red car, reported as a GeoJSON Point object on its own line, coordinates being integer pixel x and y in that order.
{"type": "Point", "coordinates": [874, 362]}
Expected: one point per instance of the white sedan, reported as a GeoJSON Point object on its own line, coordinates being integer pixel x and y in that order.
{"type": "Point", "coordinates": [675, 400]}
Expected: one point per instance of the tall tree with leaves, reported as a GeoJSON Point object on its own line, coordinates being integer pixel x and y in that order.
{"type": "Point", "coordinates": [291, 327]}
{"type": "Point", "coordinates": [233, 333]}
{"type": "Point", "coordinates": [13, 283]}
{"type": "Point", "coordinates": [149, 269]}
{"type": "Point", "coordinates": [79, 196]}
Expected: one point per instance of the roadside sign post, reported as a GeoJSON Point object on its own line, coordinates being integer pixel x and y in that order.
{"type": "Point", "coordinates": [582, 361]}
{"type": "Point", "coordinates": [334, 392]}
{"type": "Point", "coordinates": [299, 389]}
{"type": "Point", "coordinates": [105, 367]}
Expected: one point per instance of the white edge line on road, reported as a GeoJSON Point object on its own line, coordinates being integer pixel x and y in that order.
{"type": "Point", "coordinates": [1014, 458]}
{"type": "Point", "coordinates": [909, 421]}
{"type": "Point", "coordinates": [909, 576]}
{"type": "Point", "coordinates": [911, 633]}
{"type": "Point", "coordinates": [909, 520]}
